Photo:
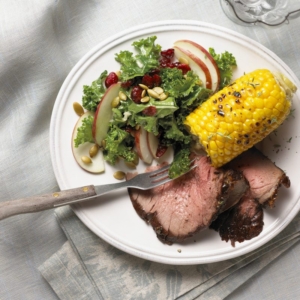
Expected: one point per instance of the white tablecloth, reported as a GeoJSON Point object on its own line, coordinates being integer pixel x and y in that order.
{"type": "Point", "coordinates": [41, 41]}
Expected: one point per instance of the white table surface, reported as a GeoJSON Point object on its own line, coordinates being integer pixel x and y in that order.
{"type": "Point", "coordinates": [41, 40]}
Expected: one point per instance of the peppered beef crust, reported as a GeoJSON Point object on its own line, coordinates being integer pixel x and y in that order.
{"type": "Point", "coordinates": [245, 220]}
{"type": "Point", "coordinates": [242, 222]}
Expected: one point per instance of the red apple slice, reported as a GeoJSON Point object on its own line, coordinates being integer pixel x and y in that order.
{"type": "Point", "coordinates": [205, 56]}
{"type": "Point", "coordinates": [141, 145]}
{"type": "Point", "coordinates": [152, 142]}
{"type": "Point", "coordinates": [97, 162]}
{"type": "Point", "coordinates": [196, 64]}
{"type": "Point", "coordinates": [104, 113]}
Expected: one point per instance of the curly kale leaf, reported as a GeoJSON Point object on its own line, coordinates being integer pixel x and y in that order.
{"type": "Point", "coordinates": [84, 132]}
{"type": "Point", "coordinates": [118, 143]}
{"type": "Point", "coordinates": [181, 163]}
{"type": "Point", "coordinates": [225, 62]}
{"type": "Point", "coordinates": [175, 84]}
{"type": "Point", "coordinates": [189, 95]}
{"type": "Point", "coordinates": [146, 59]}
{"type": "Point", "coordinates": [92, 94]}
{"type": "Point", "coordinates": [172, 132]}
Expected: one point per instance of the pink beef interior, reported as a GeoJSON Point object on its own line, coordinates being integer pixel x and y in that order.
{"type": "Point", "coordinates": [180, 208]}
{"type": "Point", "coordinates": [262, 174]}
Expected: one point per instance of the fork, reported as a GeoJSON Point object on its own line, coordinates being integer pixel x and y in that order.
{"type": "Point", "coordinates": [142, 181]}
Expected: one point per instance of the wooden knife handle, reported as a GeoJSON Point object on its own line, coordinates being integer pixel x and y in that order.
{"type": "Point", "coordinates": [43, 202]}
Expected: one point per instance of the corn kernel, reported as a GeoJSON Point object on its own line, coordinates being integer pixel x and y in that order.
{"type": "Point", "coordinates": [255, 105]}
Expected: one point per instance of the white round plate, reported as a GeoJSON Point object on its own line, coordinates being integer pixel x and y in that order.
{"type": "Point", "coordinates": [113, 218]}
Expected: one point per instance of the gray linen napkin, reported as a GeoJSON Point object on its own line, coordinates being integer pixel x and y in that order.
{"type": "Point", "coordinates": [86, 267]}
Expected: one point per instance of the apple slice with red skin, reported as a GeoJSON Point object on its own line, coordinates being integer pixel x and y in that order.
{"type": "Point", "coordinates": [142, 146]}
{"type": "Point", "coordinates": [152, 142]}
{"type": "Point", "coordinates": [200, 52]}
{"type": "Point", "coordinates": [157, 150]}
{"type": "Point", "coordinates": [97, 162]}
{"type": "Point", "coordinates": [104, 113]}
{"type": "Point", "coordinates": [196, 64]}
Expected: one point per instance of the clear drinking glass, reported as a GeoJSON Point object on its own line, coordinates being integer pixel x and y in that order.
{"type": "Point", "coordinates": [269, 12]}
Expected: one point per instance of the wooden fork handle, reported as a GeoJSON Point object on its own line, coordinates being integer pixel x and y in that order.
{"type": "Point", "coordinates": [43, 202]}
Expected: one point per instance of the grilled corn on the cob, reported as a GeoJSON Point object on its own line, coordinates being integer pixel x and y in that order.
{"type": "Point", "coordinates": [240, 115]}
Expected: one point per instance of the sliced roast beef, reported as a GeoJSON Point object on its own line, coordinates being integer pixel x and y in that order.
{"type": "Point", "coordinates": [263, 175]}
{"type": "Point", "coordinates": [184, 206]}
{"type": "Point", "coordinates": [242, 222]}
{"type": "Point", "coordinates": [245, 220]}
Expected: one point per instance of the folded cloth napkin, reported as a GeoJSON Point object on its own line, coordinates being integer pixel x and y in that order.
{"type": "Point", "coordinates": [86, 267]}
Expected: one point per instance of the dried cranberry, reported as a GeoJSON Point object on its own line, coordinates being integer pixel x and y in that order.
{"type": "Point", "coordinates": [130, 130]}
{"type": "Point", "coordinates": [111, 79]}
{"type": "Point", "coordinates": [154, 71]}
{"type": "Point", "coordinates": [163, 62]}
{"type": "Point", "coordinates": [163, 65]}
{"type": "Point", "coordinates": [156, 80]}
{"type": "Point", "coordinates": [184, 68]}
{"type": "Point", "coordinates": [161, 149]}
{"type": "Point", "coordinates": [148, 81]}
{"type": "Point", "coordinates": [150, 111]}
{"type": "Point", "coordinates": [127, 84]}
{"type": "Point", "coordinates": [169, 54]}
{"type": "Point", "coordinates": [136, 94]}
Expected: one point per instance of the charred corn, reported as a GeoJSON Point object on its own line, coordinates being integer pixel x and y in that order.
{"type": "Point", "coordinates": [241, 115]}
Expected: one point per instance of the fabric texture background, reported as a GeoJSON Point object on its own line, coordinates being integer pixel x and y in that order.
{"type": "Point", "coordinates": [40, 42]}
{"type": "Point", "coordinates": [87, 267]}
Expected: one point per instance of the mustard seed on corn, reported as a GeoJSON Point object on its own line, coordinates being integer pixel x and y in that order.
{"type": "Point", "coordinates": [240, 115]}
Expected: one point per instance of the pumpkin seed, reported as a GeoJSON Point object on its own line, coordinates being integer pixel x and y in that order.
{"type": "Point", "coordinates": [118, 73]}
{"type": "Point", "coordinates": [86, 160]}
{"type": "Point", "coordinates": [115, 102]}
{"type": "Point", "coordinates": [103, 144]}
{"type": "Point", "coordinates": [136, 159]}
{"type": "Point", "coordinates": [145, 99]}
{"type": "Point", "coordinates": [94, 150]}
{"type": "Point", "coordinates": [122, 96]}
{"type": "Point", "coordinates": [158, 90]}
{"type": "Point", "coordinates": [153, 94]}
{"type": "Point", "coordinates": [78, 109]}
{"type": "Point", "coordinates": [119, 175]}
{"type": "Point", "coordinates": [130, 164]}
{"type": "Point", "coordinates": [144, 87]}
{"type": "Point", "coordinates": [143, 93]}
{"type": "Point", "coordinates": [183, 60]}
{"type": "Point", "coordinates": [163, 96]}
